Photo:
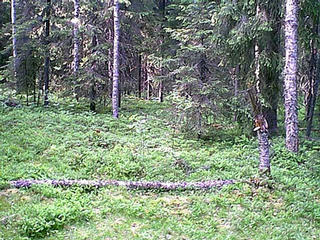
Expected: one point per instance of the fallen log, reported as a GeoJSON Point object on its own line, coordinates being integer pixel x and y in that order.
{"type": "Point", "coordinates": [129, 184]}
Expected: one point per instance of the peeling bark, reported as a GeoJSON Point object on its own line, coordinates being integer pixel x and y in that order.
{"type": "Point", "coordinates": [130, 184]}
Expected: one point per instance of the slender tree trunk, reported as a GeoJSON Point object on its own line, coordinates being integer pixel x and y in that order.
{"type": "Point", "coordinates": [147, 80]}
{"type": "Point", "coordinates": [163, 13]}
{"type": "Point", "coordinates": [14, 40]}
{"type": "Point", "coordinates": [268, 81]}
{"type": "Point", "coordinates": [116, 42]}
{"type": "Point", "coordinates": [290, 75]}
{"type": "Point", "coordinates": [235, 73]}
{"type": "Point", "coordinates": [139, 75]}
{"type": "Point", "coordinates": [261, 126]}
{"type": "Point", "coordinates": [76, 45]}
{"type": "Point", "coordinates": [46, 75]}
{"type": "Point", "coordinates": [314, 80]}
{"type": "Point", "coordinates": [110, 54]}
{"type": "Point", "coordinates": [93, 70]}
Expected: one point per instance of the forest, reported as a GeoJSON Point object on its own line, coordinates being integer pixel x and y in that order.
{"type": "Point", "coordinates": [159, 119]}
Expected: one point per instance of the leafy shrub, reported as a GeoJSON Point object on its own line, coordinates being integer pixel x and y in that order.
{"type": "Point", "coordinates": [41, 219]}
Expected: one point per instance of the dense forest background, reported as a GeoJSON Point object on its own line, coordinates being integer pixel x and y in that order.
{"type": "Point", "coordinates": [232, 61]}
{"type": "Point", "coordinates": [152, 90]}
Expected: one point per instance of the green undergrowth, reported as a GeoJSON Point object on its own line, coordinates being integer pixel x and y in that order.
{"type": "Point", "coordinates": [66, 141]}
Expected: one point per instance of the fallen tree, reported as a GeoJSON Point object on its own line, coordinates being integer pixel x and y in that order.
{"type": "Point", "coordinates": [130, 184]}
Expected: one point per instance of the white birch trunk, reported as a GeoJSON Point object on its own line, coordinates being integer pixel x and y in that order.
{"type": "Point", "coordinates": [116, 40]}
{"type": "Point", "coordinates": [76, 44]}
{"type": "Point", "coordinates": [290, 75]}
{"type": "Point", "coordinates": [14, 38]}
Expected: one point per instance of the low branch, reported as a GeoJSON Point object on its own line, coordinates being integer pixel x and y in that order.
{"type": "Point", "coordinates": [130, 184]}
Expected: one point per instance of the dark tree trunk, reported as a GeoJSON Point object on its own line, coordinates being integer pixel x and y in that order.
{"type": "Point", "coordinates": [163, 13]}
{"type": "Point", "coordinates": [93, 97]}
{"type": "Point", "coordinates": [47, 55]}
{"type": "Point", "coordinates": [314, 80]}
{"type": "Point", "coordinates": [110, 50]}
{"type": "Point", "coordinates": [147, 80]}
{"type": "Point", "coordinates": [234, 75]}
{"type": "Point", "coordinates": [139, 75]}
{"type": "Point", "coordinates": [93, 70]}
{"type": "Point", "coordinates": [269, 75]}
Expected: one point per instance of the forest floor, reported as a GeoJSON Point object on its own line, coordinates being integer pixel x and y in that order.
{"type": "Point", "coordinates": [65, 141]}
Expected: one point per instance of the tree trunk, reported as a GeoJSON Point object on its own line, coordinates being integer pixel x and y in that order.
{"type": "Point", "coordinates": [268, 73]}
{"type": "Point", "coordinates": [76, 22]}
{"type": "Point", "coordinates": [76, 45]}
{"type": "Point", "coordinates": [139, 75]}
{"type": "Point", "coordinates": [116, 42]}
{"type": "Point", "coordinates": [234, 76]}
{"type": "Point", "coordinates": [93, 70]}
{"type": "Point", "coordinates": [290, 75]}
{"type": "Point", "coordinates": [147, 80]}
{"type": "Point", "coordinates": [314, 79]}
{"type": "Point", "coordinates": [14, 39]}
{"type": "Point", "coordinates": [47, 54]}
{"type": "Point", "coordinates": [163, 16]}
{"type": "Point", "coordinates": [264, 163]}
{"type": "Point", "coordinates": [261, 126]}
{"type": "Point", "coordinates": [110, 56]}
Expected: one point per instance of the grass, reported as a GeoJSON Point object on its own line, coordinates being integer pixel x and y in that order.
{"type": "Point", "coordinates": [67, 141]}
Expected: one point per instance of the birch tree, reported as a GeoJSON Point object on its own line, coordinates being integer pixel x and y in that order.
{"type": "Point", "coordinates": [14, 38]}
{"type": "Point", "coordinates": [116, 40]}
{"type": "Point", "coordinates": [290, 75]}
{"type": "Point", "coordinates": [76, 43]}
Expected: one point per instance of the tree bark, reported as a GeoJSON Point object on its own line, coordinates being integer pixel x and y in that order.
{"type": "Point", "coordinates": [290, 75]}
{"type": "Point", "coordinates": [93, 70]}
{"type": "Point", "coordinates": [116, 42]}
{"type": "Point", "coordinates": [76, 45]}
{"type": "Point", "coordinates": [261, 126]}
{"type": "Point", "coordinates": [235, 80]}
{"type": "Point", "coordinates": [268, 73]}
{"type": "Point", "coordinates": [14, 39]}
{"type": "Point", "coordinates": [46, 76]}
{"type": "Point", "coordinates": [163, 16]}
{"type": "Point", "coordinates": [314, 80]}
{"type": "Point", "coordinates": [139, 75]}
